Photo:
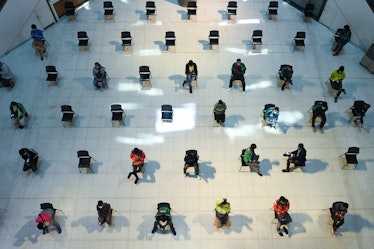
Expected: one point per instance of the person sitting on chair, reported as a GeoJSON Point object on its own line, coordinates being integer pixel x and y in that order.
{"type": "Point", "coordinates": [6, 76]}
{"type": "Point", "coordinates": [191, 74]}
{"type": "Point", "coordinates": [31, 159]}
{"type": "Point", "coordinates": [104, 212]}
{"type": "Point", "coordinates": [163, 218]}
{"type": "Point", "coordinates": [251, 159]}
{"type": "Point", "coordinates": [223, 209]}
{"type": "Point", "coordinates": [38, 43]}
{"type": "Point", "coordinates": [46, 219]}
{"type": "Point", "coordinates": [338, 211]}
{"type": "Point", "coordinates": [18, 114]}
{"type": "Point", "coordinates": [281, 207]}
{"type": "Point", "coordinates": [237, 73]}
{"type": "Point", "coordinates": [336, 80]}
{"type": "Point", "coordinates": [219, 112]}
{"type": "Point", "coordinates": [99, 75]}
{"type": "Point", "coordinates": [271, 115]}
{"type": "Point", "coordinates": [191, 160]}
{"type": "Point", "coordinates": [285, 74]}
{"type": "Point", "coordinates": [359, 109]}
{"type": "Point", "coordinates": [137, 156]}
{"type": "Point", "coordinates": [319, 110]}
{"type": "Point", "coordinates": [344, 39]}
{"type": "Point", "coordinates": [297, 157]}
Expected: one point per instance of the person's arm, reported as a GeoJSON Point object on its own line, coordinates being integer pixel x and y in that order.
{"type": "Point", "coordinates": [243, 68]}
{"type": "Point", "coordinates": [186, 69]}
{"type": "Point", "coordinates": [195, 66]}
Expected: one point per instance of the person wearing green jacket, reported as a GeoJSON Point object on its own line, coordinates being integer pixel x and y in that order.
{"type": "Point", "coordinates": [18, 114]}
{"type": "Point", "coordinates": [344, 39]}
{"type": "Point", "coordinates": [223, 209]}
{"type": "Point", "coordinates": [286, 75]}
{"type": "Point", "coordinates": [219, 112]}
{"type": "Point", "coordinates": [336, 80]}
{"type": "Point", "coordinates": [237, 73]}
{"type": "Point", "coordinates": [251, 159]}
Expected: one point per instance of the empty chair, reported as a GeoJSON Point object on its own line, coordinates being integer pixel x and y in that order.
{"type": "Point", "coordinates": [350, 157]}
{"type": "Point", "coordinates": [170, 41]}
{"type": "Point", "coordinates": [145, 76]}
{"type": "Point", "coordinates": [83, 40]}
{"type": "Point", "coordinates": [84, 161]}
{"type": "Point", "coordinates": [70, 10]}
{"type": "Point", "coordinates": [257, 39]}
{"type": "Point", "coordinates": [52, 74]}
{"type": "Point", "coordinates": [118, 114]}
{"type": "Point", "coordinates": [299, 41]}
{"type": "Point", "coordinates": [308, 12]}
{"type": "Point", "coordinates": [108, 10]}
{"type": "Point", "coordinates": [214, 39]}
{"type": "Point", "coordinates": [191, 10]}
{"type": "Point", "coordinates": [231, 10]}
{"type": "Point", "coordinates": [150, 8]}
{"type": "Point", "coordinates": [167, 113]}
{"type": "Point", "coordinates": [273, 10]}
{"type": "Point", "coordinates": [126, 41]}
{"type": "Point", "coordinates": [67, 115]}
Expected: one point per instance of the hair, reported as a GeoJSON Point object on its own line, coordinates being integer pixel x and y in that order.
{"type": "Point", "coordinates": [97, 63]}
{"type": "Point", "coordinates": [289, 66]}
{"type": "Point", "coordinates": [100, 203]}
{"type": "Point", "coordinates": [253, 146]}
{"type": "Point", "coordinates": [238, 60]}
{"type": "Point", "coordinates": [276, 109]}
{"type": "Point", "coordinates": [324, 103]}
{"type": "Point", "coordinates": [136, 150]}
{"type": "Point", "coordinates": [345, 205]}
{"type": "Point", "coordinates": [283, 200]}
{"type": "Point", "coordinates": [301, 145]}
{"type": "Point", "coordinates": [190, 62]}
{"type": "Point", "coordinates": [341, 68]}
{"type": "Point", "coordinates": [346, 27]}
{"type": "Point", "coordinates": [220, 101]}
{"type": "Point", "coordinates": [13, 103]}
{"type": "Point", "coordinates": [33, 26]}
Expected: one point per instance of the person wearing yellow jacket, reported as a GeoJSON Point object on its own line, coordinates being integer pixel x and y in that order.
{"type": "Point", "coordinates": [336, 80]}
{"type": "Point", "coordinates": [223, 209]}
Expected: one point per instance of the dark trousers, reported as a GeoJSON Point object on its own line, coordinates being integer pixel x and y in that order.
{"type": "Point", "coordinates": [32, 164]}
{"type": "Point", "coordinates": [339, 46]}
{"type": "Point", "coordinates": [220, 118]}
{"type": "Point", "coordinates": [237, 77]}
{"type": "Point", "coordinates": [286, 219]}
{"type": "Point", "coordinates": [135, 170]}
{"type": "Point", "coordinates": [337, 86]}
{"type": "Point", "coordinates": [323, 119]}
{"type": "Point", "coordinates": [336, 221]}
{"type": "Point", "coordinates": [294, 161]}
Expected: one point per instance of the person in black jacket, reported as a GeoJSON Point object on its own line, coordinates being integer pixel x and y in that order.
{"type": "Point", "coordinates": [319, 109]}
{"type": "Point", "coordinates": [298, 157]}
{"type": "Point", "coordinates": [338, 211]}
{"type": "Point", "coordinates": [31, 159]}
{"type": "Point", "coordinates": [191, 74]}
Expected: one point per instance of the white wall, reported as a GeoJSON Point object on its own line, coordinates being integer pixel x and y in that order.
{"type": "Point", "coordinates": [16, 18]}
{"type": "Point", "coordinates": [357, 14]}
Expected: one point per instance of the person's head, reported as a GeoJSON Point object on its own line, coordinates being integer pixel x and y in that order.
{"type": "Point", "coordinates": [238, 61]}
{"type": "Point", "coordinates": [40, 226]}
{"type": "Point", "coordinates": [324, 104]}
{"type": "Point", "coordinates": [341, 69]}
{"type": "Point", "coordinates": [100, 204]}
{"type": "Point", "coordinates": [366, 106]}
{"type": "Point", "coordinates": [253, 146]}
{"type": "Point", "coordinates": [220, 102]}
{"type": "Point", "coordinates": [276, 110]}
{"type": "Point", "coordinates": [190, 62]}
{"type": "Point", "coordinates": [97, 65]}
{"type": "Point", "coordinates": [289, 68]}
{"type": "Point", "coordinates": [33, 26]}
{"type": "Point", "coordinates": [13, 103]}
{"type": "Point", "coordinates": [344, 207]}
{"type": "Point", "coordinates": [283, 201]}
{"type": "Point", "coordinates": [346, 27]}
{"type": "Point", "coordinates": [300, 146]}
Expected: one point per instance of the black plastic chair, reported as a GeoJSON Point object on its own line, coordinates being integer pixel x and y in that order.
{"type": "Point", "coordinates": [299, 41]}
{"type": "Point", "coordinates": [170, 40]}
{"type": "Point", "coordinates": [213, 38]}
{"type": "Point", "coordinates": [145, 76]}
{"type": "Point", "coordinates": [84, 160]}
{"type": "Point", "coordinates": [273, 9]}
{"type": "Point", "coordinates": [308, 11]}
{"type": "Point", "coordinates": [150, 8]}
{"type": "Point", "coordinates": [191, 9]}
{"type": "Point", "coordinates": [67, 115]}
{"type": "Point", "coordinates": [70, 10]}
{"type": "Point", "coordinates": [126, 38]}
{"type": "Point", "coordinates": [52, 74]}
{"type": "Point", "coordinates": [82, 40]}
{"type": "Point", "coordinates": [108, 10]}
{"type": "Point", "coordinates": [350, 157]}
{"type": "Point", "coordinates": [117, 114]}
{"type": "Point", "coordinates": [167, 113]}
{"type": "Point", "coordinates": [257, 39]}
{"type": "Point", "coordinates": [232, 7]}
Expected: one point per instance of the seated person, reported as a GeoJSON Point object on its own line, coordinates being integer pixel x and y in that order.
{"type": "Point", "coordinates": [99, 75]}
{"type": "Point", "coordinates": [163, 218]}
{"type": "Point", "coordinates": [297, 157]}
{"type": "Point", "coordinates": [285, 74]}
{"type": "Point", "coordinates": [104, 212]}
{"type": "Point", "coordinates": [137, 156]}
{"type": "Point", "coordinates": [223, 209]}
{"type": "Point", "coordinates": [281, 207]}
{"type": "Point", "coordinates": [219, 112]}
{"type": "Point", "coordinates": [46, 219]}
{"type": "Point", "coordinates": [237, 73]}
{"type": "Point", "coordinates": [6, 76]}
{"type": "Point", "coordinates": [191, 160]}
{"type": "Point", "coordinates": [18, 114]}
{"type": "Point", "coordinates": [319, 110]}
{"type": "Point", "coordinates": [359, 109]}
{"type": "Point", "coordinates": [338, 211]}
{"type": "Point", "coordinates": [250, 158]}
{"type": "Point", "coordinates": [271, 114]}
{"type": "Point", "coordinates": [336, 80]}
{"type": "Point", "coordinates": [191, 74]}
{"type": "Point", "coordinates": [31, 159]}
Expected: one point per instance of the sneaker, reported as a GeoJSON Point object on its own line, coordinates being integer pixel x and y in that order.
{"type": "Point", "coordinates": [336, 99]}
{"type": "Point", "coordinates": [259, 173]}
{"type": "Point", "coordinates": [190, 90]}
{"type": "Point", "coordinates": [320, 130]}
{"type": "Point", "coordinates": [128, 176]}
{"type": "Point", "coordinates": [59, 230]}
{"type": "Point", "coordinates": [285, 230]}
{"type": "Point", "coordinates": [136, 181]}
{"type": "Point", "coordinates": [280, 233]}
{"type": "Point", "coordinates": [42, 58]}
{"type": "Point", "coordinates": [153, 230]}
{"type": "Point", "coordinates": [230, 88]}
{"type": "Point", "coordinates": [175, 233]}
{"type": "Point", "coordinates": [285, 170]}
{"type": "Point", "coordinates": [313, 129]}
{"type": "Point", "coordinates": [21, 126]}
{"type": "Point", "coordinates": [283, 86]}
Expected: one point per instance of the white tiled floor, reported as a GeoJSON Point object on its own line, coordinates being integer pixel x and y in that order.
{"type": "Point", "coordinates": [310, 192]}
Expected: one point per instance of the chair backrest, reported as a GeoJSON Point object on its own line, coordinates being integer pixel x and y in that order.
{"type": "Point", "coordinates": [353, 151]}
{"type": "Point", "coordinates": [107, 4]}
{"type": "Point", "coordinates": [83, 154]}
{"type": "Point", "coordinates": [170, 35]}
{"type": "Point", "coordinates": [257, 33]}
{"type": "Point", "coordinates": [66, 108]}
{"type": "Point", "coordinates": [309, 7]}
{"type": "Point", "coordinates": [144, 72]}
{"type": "Point", "coordinates": [69, 5]}
{"type": "Point", "coordinates": [116, 108]}
{"type": "Point", "coordinates": [82, 35]}
{"type": "Point", "coordinates": [213, 34]}
{"type": "Point", "coordinates": [232, 4]}
{"type": "Point", "coordinates": [358, 105]}
{"type": "Point", "coordinates": [191, 157]}
{"type": "Point", "coordinates": [191, 5]}
{"type": "Point", "coordinates": [166, 108]}
{"type": "Point", "coordinates": [150, 4]}
{"type": "Point", "coordinates": [273, 4]}
{"type": "Point", "coordinates": [50, 69]}
{"type": "Point", "coordinates": [126, 35]}
{"type": "Point", "coordinates": [300, 35]}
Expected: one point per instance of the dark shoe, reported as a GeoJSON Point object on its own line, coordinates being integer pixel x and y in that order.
{"type": "Point", "coordinates": [59, 230]}
{"type": "Point", "coordinates": [285, 170]}
{"type": "Point", "coordinates": [259, 173]}
{"type": "Point", "coordinates": [335, 54]}
{"type": "Point", "coordinates": [42, 58]}
{"type": "Point", "coordinates": [175, 233]}
{"type": "Point", "coordinates": [280, 233]}
{"type": "Point", "coordinates": [190, 90]}
{"type": "Point", "coordinates": [291, 83]}
{"type": "Point", "coordinates": [336, 99]}
{"type": "Point", "coordinates": [313, 129]}
{"type": "Point", "coordinates": [343, 90]}
{"type": "Point", "coordinates": [153, 230]}
{"type": "Point", "coordinates": [136, 181]}
{"type": "Point", "coordinates": [285, 230]}
{"type": "Point", "coordinates": [21, 126]}
{"type": "Point", "coordinates": [283, 86]}
{"type": "Point", "coordinates": [128, 176]}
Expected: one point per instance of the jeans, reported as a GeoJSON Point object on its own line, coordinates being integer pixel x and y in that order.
{"type": "Point", "coordinates": [103, 83]}
{"type": "Point", "coordinates": [189, 79]}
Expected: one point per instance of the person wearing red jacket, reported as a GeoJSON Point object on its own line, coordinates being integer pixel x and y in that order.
{"type": "Point", "coordinates": [137, 156]}
{"type": "Point", "coordinates": [281, 207]}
